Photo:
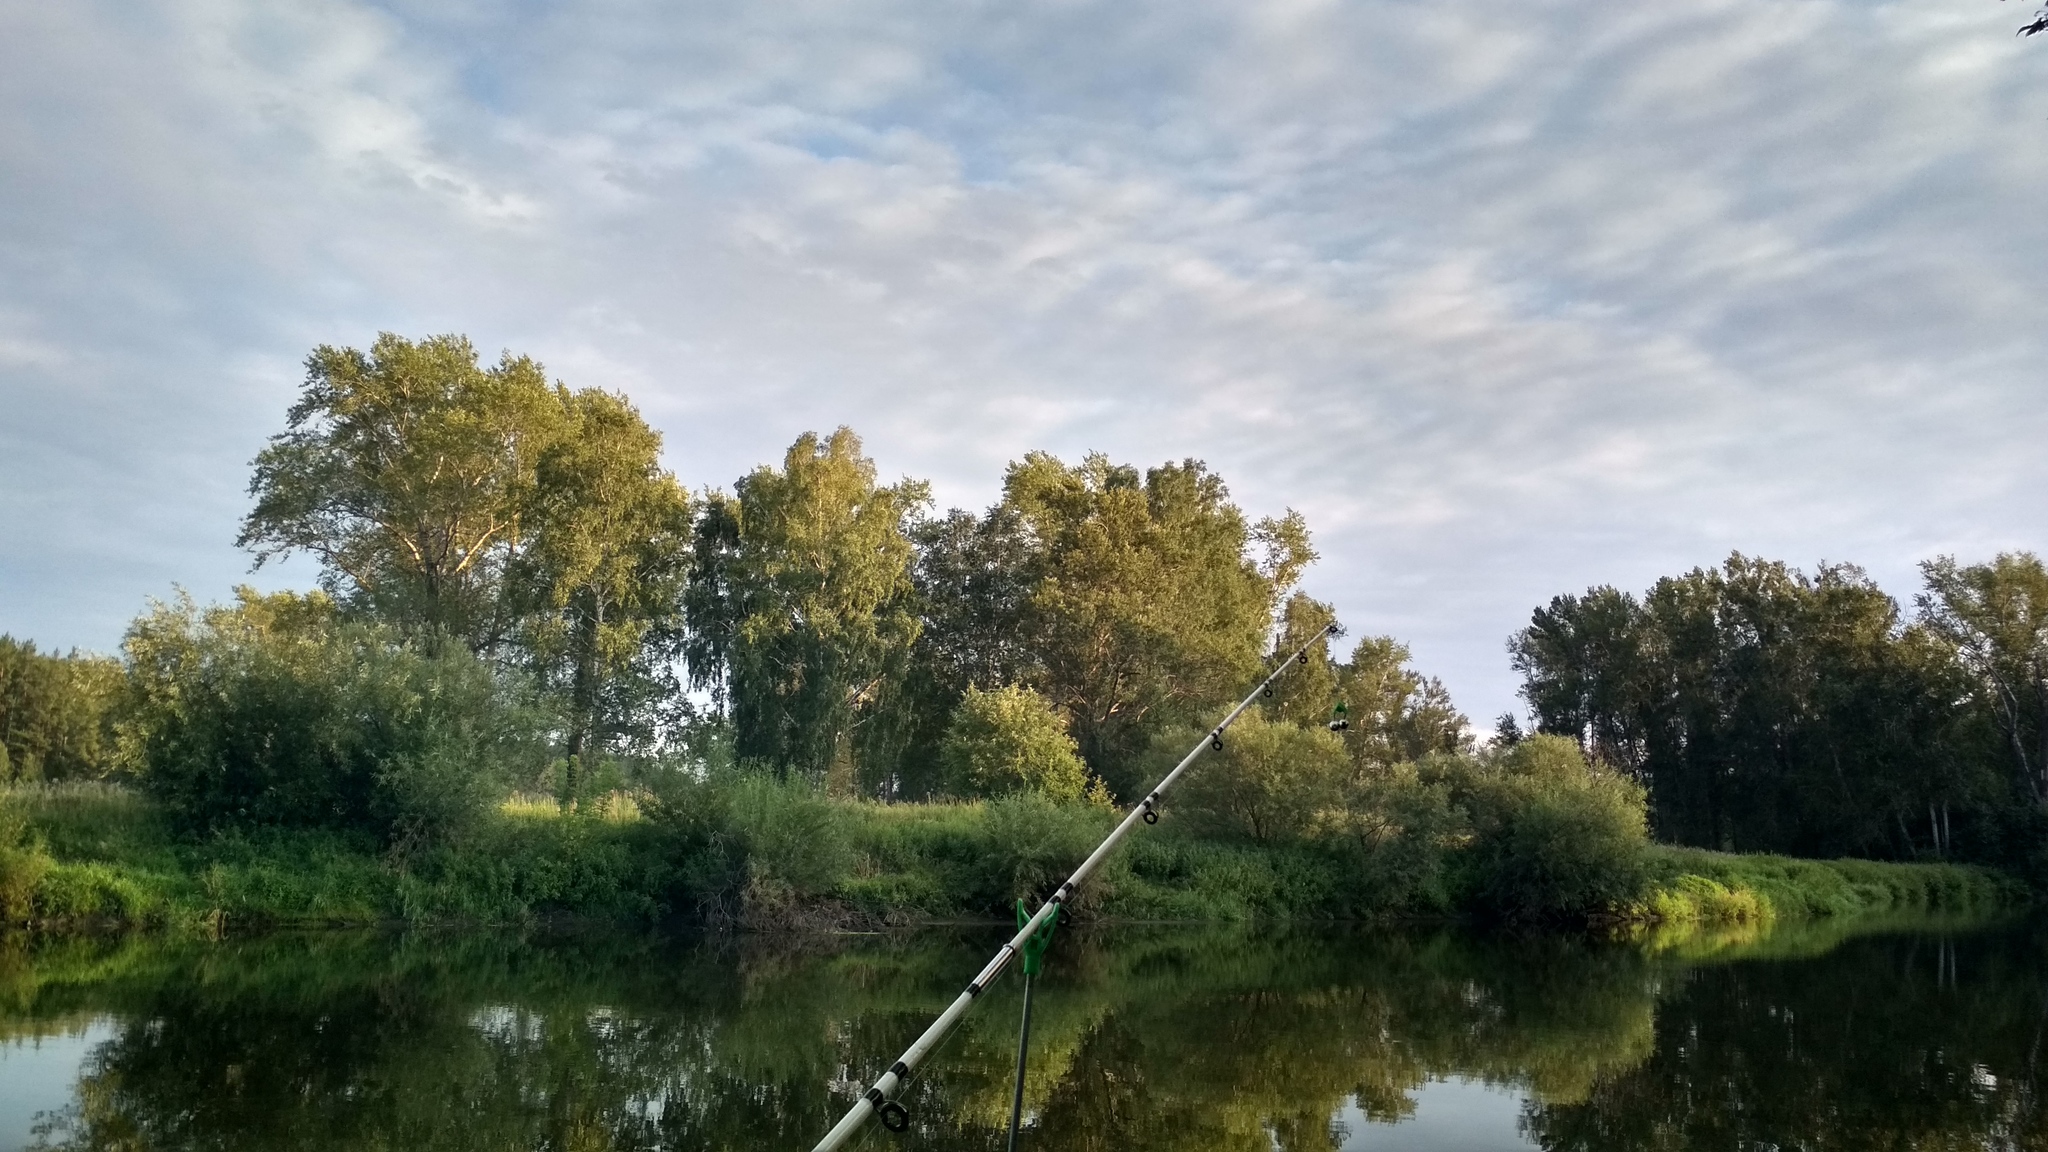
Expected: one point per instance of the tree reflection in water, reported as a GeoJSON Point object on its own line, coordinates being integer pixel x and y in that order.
{"type": "Point", "coordinates": [1144, 1039]}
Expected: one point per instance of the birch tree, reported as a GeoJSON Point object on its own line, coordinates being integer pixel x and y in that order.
{"type": "Point", "coordinates": [406, 472]}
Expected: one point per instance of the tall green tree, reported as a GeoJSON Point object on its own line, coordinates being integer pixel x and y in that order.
{"type": "Point", "coordinates": [1996, 616]}
{"type": "Point", "coordinates": [408, 471]}
{"type": "Point", "coordinates": [972, 581]}
{"type": "Point", "coordinates": [1307, 695]}
{"type": "Point", "coordinates": [55, 713]}
{"type": "Point", "coordinates": [602, 577]}
{"type": "Point", "coordinates": [1397, 715]}
{"type": "Point", "coordinates": [819, 595]}
{"type": "Point", "coordinates": [1580, 667]}
{"type": "Point", "coordinates": [1154, 599]}
{"type": "Point", "coordinates": [1769, 709]}
{"type": "Point", "coordinates": [711, 612]}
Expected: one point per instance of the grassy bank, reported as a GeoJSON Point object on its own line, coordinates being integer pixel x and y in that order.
{"type": "Point", "coordinates": [95, 855]}
{"type": "Point", "coordinates": [1689, 885]}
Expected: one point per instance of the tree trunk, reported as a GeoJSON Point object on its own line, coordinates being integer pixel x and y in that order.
{"type": "Point", "coordinates": [583, 697]}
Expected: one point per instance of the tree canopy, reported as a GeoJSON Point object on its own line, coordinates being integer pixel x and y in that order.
{"type": "Point", "coordinates": [408, 472]}
{"type": "Point", "coordinates": [1768, 709]}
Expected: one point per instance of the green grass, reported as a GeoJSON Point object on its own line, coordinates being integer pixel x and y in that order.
{"type": "Point", "coordinates": [112, 860]}
{"type": "Point", "coordinates": [107, 857]}
{"type": "Point", "coordinates": [1694, 885]}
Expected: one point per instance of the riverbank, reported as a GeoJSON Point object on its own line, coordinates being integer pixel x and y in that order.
{"type": "Point", "coordinates": [98, 856]}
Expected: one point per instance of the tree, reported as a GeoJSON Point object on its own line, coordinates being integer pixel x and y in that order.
{"type": "Point", "coordinates": [1579, 663]}
{"type": "Point", "coordinates": [1996, 616]}
{"type": "Point", "coordinates": [55, 713]}
{"type": "Point", "coordinates": [710, 612]}
{"type": "Point", "coordinates": [1769, 709]}
{"type": "Point", "coordinates": [274, 711]}
{"type": "Point", "coordinates": [1010, 739]}
{"type": "Point", "coordinates": [819, 591]}
{"type": "Point", "coordinates": [407, 472]}
{"type": "Point", "coordinates": [972, 583]}
{"type": "Point", "coordinates": [1272, 781]}
{"type": "Point", "coordinates": [602, 577]}
{"type": "Point", "coordinates": [1307, 695]}
{"type": "Point", "coordinates": [1396, 714]}
{"type": "Point", "coordinates": [1150, 605]}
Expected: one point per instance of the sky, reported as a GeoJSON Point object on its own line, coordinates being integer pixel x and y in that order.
{"type": "Point", "coordinates": [1508, 300]}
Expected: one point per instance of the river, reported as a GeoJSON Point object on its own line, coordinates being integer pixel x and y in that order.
{"type": "Point", "coordinates": [1904, 1036]}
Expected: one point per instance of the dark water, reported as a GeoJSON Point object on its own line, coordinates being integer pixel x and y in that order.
{"type": "Point", "coordinates": [1145, 1039]}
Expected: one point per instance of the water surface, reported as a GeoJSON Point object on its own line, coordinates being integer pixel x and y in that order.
{"type": "Point", "coordinates": [1145, 1038]}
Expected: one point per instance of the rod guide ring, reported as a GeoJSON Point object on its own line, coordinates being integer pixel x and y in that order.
{"type": "Point", "coordinates": [895, 1117]}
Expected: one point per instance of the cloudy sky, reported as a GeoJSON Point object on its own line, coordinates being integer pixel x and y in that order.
{"type": "Point", "coordinates": [1508, 299]}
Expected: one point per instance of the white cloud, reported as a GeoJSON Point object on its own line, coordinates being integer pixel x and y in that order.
{"type": "Point", "coordinates": [1507, 300]}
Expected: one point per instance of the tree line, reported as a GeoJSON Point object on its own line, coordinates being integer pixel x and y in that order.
{"type": "Point", "coordinates": [510, 555]}
{"type": "Point", "coordinates": [515, 594]}
{"type": "Point", "coordinates": [1770, 709]}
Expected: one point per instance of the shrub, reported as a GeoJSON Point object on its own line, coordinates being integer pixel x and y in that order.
{"type": "Point", "coordinates": [23, 864]}
{"type": "Point", "coordinates": [791, 833]}
{"type": "Point", "coordinates": [1270, 782]}
{"type": "Point", "coordinates": [748, 843]}
{"type": "Point", "coordinates": [1552, 835]}
{"type": "Point", "coordinates": [1034, 843]}
{"type": "Point", "coordinates": [1396, 832]}
{"type": "Point", "coordinates": [1011, 740]}
{"type": "Point", "coordinates": [273, 712]}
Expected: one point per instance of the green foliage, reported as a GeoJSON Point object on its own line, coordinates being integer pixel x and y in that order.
{"type": "Point", "coordinates": [751, 845]}
{"type": "Point", "coordinates": [1273, 781]}
{"type": "Point", "coordinates": [56, 713]}
{"type": "Point", "coordinates": [1396, 714]}
{"type": "Point", "coordinates": [271, 713]}
{"type": "Point", "coordinates": [1398, 834]}
{"type": "Point", "coordinates": [746, 849]}
{"type": "Point", "coordinates": [23, 863]}
{"type": "Point", "coordinates": [407, 472]}
{"type": "Point", "coordinates": [972, 580]}
{"type": "Point", "coordinates": [1551, 835]}
{"type": "Point", "coordinates": [817, 597]}
{"type": "Point", "coordinates": [1769, 709]}
{"type": "Point", "coordinates": [1995, 616]}
{"type": "Point", "coordinates": [1689, 883]}
{"type": "Point", "coordinates": [600, 584]}
{"type": "Point", "coordinates": [1010, 740]}
{"type": "Point", "coordinates": [1309, 691]}
{"type": "Point", "coordinates": [795, 843]}
{"type": "Point", "coordinates": [1149, 607]}
{"type": "Point", "coordinates": [1035, 842]}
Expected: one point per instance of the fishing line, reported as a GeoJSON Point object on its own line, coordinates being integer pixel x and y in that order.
{"type": "Point", "coordinates": [881, 1094]}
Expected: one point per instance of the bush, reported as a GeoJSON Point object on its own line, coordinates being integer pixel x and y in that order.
{"type": "Point", "coordinates": [23, 864]}
{"type": "Point", "coordinates": [274, 713]}
{"type": "Point", "coordinates": [1552, 835]}
{"type": "Point", "coordinates": [1270, 783]}
{"type": "Point", "coordinates": [1034, 843]}
{"type": "Point", "coordinates": [1011, 740]}
{"type": "Point", "coordinates": [795, 844]}
{"type": "Point", "coordinates": [747, 844]}
{"type": "Point", "coordinates": [1396, 832]}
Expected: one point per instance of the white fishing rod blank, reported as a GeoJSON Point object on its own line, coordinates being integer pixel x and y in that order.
{"type": "Point", "coordinates": [880, 1097]}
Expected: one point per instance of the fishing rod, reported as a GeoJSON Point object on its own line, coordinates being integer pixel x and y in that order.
{"type": "Point", "coordinates": [879, 1098]}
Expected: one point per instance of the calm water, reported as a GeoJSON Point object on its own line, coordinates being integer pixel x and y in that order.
{"type": "Point", "coordinates": [1145, 1039]}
